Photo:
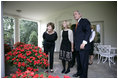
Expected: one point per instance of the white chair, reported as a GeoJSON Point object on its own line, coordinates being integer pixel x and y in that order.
{"type": "Point", "coordinates": [105, 53]}
{"type": "Point", "coordinates": [113, 53]}
{"type": "Point", "coordinates": [96, 52]}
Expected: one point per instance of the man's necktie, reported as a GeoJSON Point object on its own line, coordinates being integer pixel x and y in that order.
{"type": "Point", "coordinates": [76, 26]}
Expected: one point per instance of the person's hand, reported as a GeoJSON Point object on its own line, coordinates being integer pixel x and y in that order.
{"type": "Point", "coordinates": [72, 50]}
{"type": "Point", "coordinates": [82, 46]}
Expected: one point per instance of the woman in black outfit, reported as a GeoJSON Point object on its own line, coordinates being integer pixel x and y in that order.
{"type": "Point", "coordinates": [91, 40]}
{"type": "Point", "coordinates": [66, 48]}
{"type": "Point", "coordinates": [49, 36]}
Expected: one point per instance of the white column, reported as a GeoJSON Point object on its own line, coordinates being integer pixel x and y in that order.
{"type": "Point", "coordinates": [2, 60]}
{"type": "Point", "coordinates": [39, 35]}
{"type": "Point", "coordinates": [2, 53]}
{"type": "Point", "coordinates": [16, 30]}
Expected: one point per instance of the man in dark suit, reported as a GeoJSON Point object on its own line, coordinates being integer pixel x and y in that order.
{"type": "Point", "coordinates": [81, 33]}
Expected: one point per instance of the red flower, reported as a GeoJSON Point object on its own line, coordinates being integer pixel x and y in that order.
{"type": "Point", "coordinates": [19, 70]}
{"type": "Point", "coordinates": [14, 53]}
{"type": "Point", "coordinates": [19, 64]}
{"type": "Point", "coordinates": [7, 58]}
{"type": "Point", "coordinates": [13, 59]}
{"type": "Point", "coordinates": [36, 76]}
{"type": "Point", "coordinates": [29, 60]}
{"type": "Point", "coordinates": [46, 55]}
{"type": "Point", "coordinates": [32, 74]}
{"type": "Point", "coordinates": [28, 53]}
{"type": "Point", "coordinates": [65, 76]}
{"type": "Point", "coordinates": [38, 61]}
{"type": "Point", "coordinates": [56, 77]}
{"type": "Point", "coordinates": [24, 76]}
{"type": "Point", "coordinates": [40, 56]}
{"type": "Point", "coordinates": [35, 70]}
{"type": "Point", "coordinates": [50, 76]}
{"type": "Point", "coordinates": [33, 58]}
{"type": "Point", "coordinates": [14, 76]}
{"type": "Point", "coordinates": [19, 74]}
{"type": "Point", "coordinates": [22, 50]}
{"type": "Point", "coordinates": [15, 63]}
{"type": "Point", "coordinates": [34, 50]}
{"type": "Point", "coordinates": [36, 54]}
{"type": "Point", "coordinates": [36, 47]}
{"type": "Point", "coordinates": [20, 55]}
{"type": "Point", "coordinates": [35, 62]}
{"type": "Point", "coordinates": [17, 59]}
{"type": "Point", "coordinates": [23, 64]}
{"type": "Point", "coordinates": [29, 68]}
{"type": "Point", "coordinates": [9, 53]}
{"type": "Point", "coordinates": [27, 71]}
{"type": "Point", "coordinates": [17, 44]}
{"type": "Point", "coordinates": [41, 76]}
{"type": "Point", "coordinates": [40, 51]}
{"type": "Point", "coordinates": [24, 57]}
{"type": "Point", "coordinates": [5, 76]}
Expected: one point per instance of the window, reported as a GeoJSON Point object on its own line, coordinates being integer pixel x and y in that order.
{"type": "Point", "coordinates": [98, 27]}
{"type": "Point", "coordinates": [29, 32]}
{"type": "Point", "coordinates": [8, 24]}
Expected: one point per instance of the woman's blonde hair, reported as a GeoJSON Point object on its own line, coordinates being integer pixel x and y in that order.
{"type": "Point", "coordinates": [68, 24]}
{"type": "Point", "coordinates": [93, 27]}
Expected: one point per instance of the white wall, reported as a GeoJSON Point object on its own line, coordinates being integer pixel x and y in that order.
{"type": "Point", "coordinates": [94, 11]}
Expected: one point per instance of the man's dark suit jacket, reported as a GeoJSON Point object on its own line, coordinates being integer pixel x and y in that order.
{"type": "Point", "coordinates": [82, 32]}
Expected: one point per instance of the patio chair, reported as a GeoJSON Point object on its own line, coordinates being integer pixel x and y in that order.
{"type": "Point", "coordinates": [105, 53]}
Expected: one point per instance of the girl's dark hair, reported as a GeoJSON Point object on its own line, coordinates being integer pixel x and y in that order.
{"type": "Point", "coordinates": [52, 25]}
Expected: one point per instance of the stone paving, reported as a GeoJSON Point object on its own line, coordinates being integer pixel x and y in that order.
{"type": "Point", "coordinates": [101, 70]}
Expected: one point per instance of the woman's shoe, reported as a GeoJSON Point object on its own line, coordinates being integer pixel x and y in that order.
{"type": "Point", "coordinates": [67, 71]}
{"type": "Point", "coordinates": [46, 71]}
{"type": "Point", "coordinates": [63, 71]}
{"type": "Point", "coordinates": [90, 63]}
{"type": "Point", "coordinates": [51, 70]}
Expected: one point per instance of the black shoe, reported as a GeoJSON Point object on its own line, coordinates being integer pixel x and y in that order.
{"type": "Point", "coordinates": [67, 71]}
{"type": "Point", "coordinates": [51, 70]}
{"type": "Point", "coordinates": [76, 75]}
{"type": "Point", "coordinates": [63, 71]}
{"type": "Point", "coordinates": [71, 66]}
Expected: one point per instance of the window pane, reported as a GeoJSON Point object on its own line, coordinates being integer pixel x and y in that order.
{"type": "Point", "coordinates": [29, 32]}
{"type": "Point", "coordinates": [8, 24]}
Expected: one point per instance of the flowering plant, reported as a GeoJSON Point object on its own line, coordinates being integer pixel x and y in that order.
{"type": "Point", "coordinates": [26, 74]}
{"type": "Point", "coordinates": [27, 57]}
{"type": "Point", "coordinates": [31, 74]}
{"type": "Point", "coordinates": [18, 44]}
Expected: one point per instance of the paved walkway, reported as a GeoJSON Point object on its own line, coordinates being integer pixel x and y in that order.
{"type": "Point", "coordinates": [95, 70]}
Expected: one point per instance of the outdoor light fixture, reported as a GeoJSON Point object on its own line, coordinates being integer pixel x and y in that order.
{"type": "Point", "coordinates": [19, 11]}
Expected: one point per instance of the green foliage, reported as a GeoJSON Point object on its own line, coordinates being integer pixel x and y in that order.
{"type": "Point", "coordinates": [73, 26]}
{"type": "Point", "coordinates": [33, 38]}
{"type": "Point", "coordinates": [8, 24]}
{"type": "Point", "coordinates": [26, 29]}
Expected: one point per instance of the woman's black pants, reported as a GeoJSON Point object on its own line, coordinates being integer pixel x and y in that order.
{"type": "Point", "coordinates": [50, 51]}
